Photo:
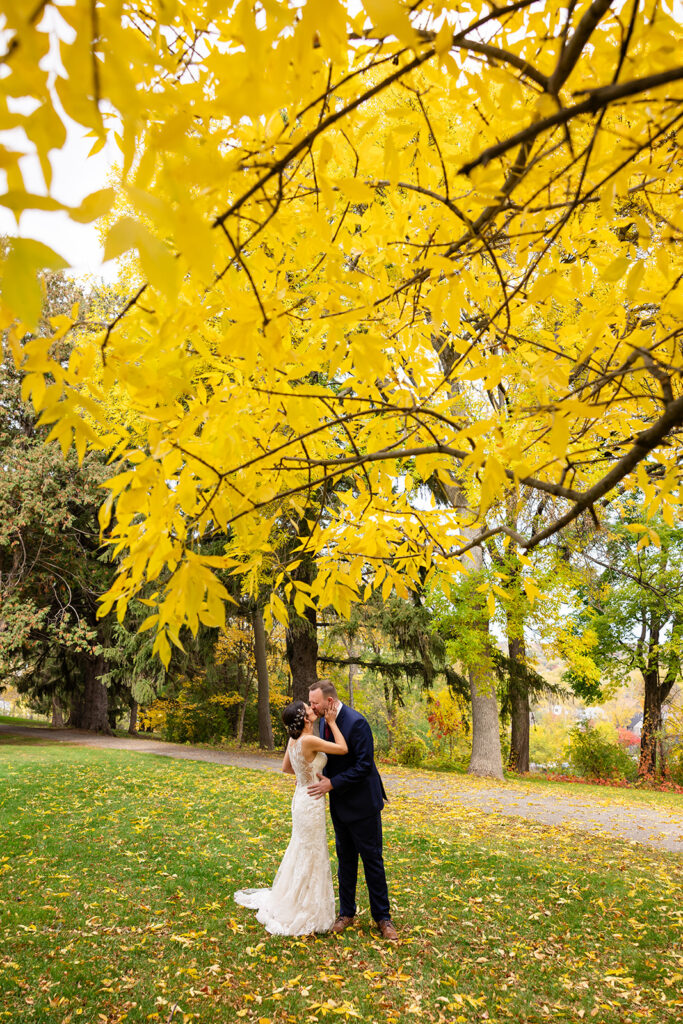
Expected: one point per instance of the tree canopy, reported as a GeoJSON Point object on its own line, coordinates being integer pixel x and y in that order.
{"type": "Point", "coordinates": [378, 244]}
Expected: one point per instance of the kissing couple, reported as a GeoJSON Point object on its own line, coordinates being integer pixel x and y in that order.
{"type": "Point", "coordinates": [339, 761]}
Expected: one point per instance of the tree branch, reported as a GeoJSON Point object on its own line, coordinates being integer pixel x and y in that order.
{"type": "Point", "coordinates": [321, 127]}
{"type": "Point", "coordinates": [438, 449]}
{"type": "Point", "coordinates": [573, 49]}
{"type": "Point", "coordinates": [495, 53]}
{"type": "Point", "coordinates": [598, 99]}
{"type": "Point", "coordinates": [645, 442]}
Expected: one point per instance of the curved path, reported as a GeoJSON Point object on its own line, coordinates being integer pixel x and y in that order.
{"type": "Point", "coordinates": [658, 827]}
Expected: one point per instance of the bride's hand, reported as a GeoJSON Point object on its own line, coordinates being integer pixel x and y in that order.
{"type": "Point", "coordinates": [331, 715]}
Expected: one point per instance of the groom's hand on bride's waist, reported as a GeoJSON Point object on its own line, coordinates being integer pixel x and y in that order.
{"type": "Point", "coordinates": [319, 788]}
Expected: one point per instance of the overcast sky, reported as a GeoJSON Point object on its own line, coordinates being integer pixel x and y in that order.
{"type": "Point", "coordinates": [75, 175]}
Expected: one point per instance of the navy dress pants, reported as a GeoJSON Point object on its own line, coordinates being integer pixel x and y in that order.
{"type": "Point", "coordinates": [354, 839]}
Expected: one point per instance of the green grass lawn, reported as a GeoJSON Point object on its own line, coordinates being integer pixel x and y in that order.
{"type": "Point", "coordinates": [596, 792]}
{"type": "Point", "coordinates": [39, 723]}
{"type": "Point", "coordinates": [116, 880]}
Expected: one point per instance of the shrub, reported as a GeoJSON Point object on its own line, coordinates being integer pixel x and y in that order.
{"type": "Point", "coordinates": [444, 763]}
{"type": "Point", "coordinates": [445, 719]}
{"type": "Point", "coordinates": [548, 740]}
{"type": "Point", "coordinates": [675, 765]}
{"type": "Point", "coordinates": [411, 751]}
{"type": "Point", "coordinates": [592, 755]}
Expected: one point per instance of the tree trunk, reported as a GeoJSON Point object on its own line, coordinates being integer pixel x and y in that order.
{"type": "Point", "coordinates": [353, 672]}
{"type": "Point", "coordinates": [248, 680]}
{"type": "Point", "coordinates": [652, 762]}
{"type": "Point", "coordinates": [265, 728]}
{"type": "Point", "coordinates": [76, 712]}
{"type": "Point", "coordinates": [302, 653]}
{"type": "Point", "coordinates": [352, 651]}
{"type": "Point", "coordinates": [133, 724]}
{"type": "Point", "coordinates": [239, 734]}
{"type": "Point", "coordinates": [519, 706]}
{"type": "Point", "coordinates": [390, 702]}
{"type": "Point", "coordinates": [486, 758]}
{"type": "Point", "coordinates": [75, 698]}
{"type": "Point", "coordinates": [95, 702]}
{"type": "Point", "coordinates": [57, 713]}
{"type": "Point", "coordinates": [650, 740]}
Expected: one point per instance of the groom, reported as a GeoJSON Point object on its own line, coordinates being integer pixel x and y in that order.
{"type": "Point", "coordinates": [356, 800]}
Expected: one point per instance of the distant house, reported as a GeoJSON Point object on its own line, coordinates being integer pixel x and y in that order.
{"type": "Point", "coordinates": [636, 724]}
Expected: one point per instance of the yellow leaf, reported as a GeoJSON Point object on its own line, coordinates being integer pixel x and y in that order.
{"type": "Point", "coordinates": [355, 190]}
{"type": "Point", "coordinates": [389, 18]}
{"type": "Point", "coordinates": [162, 648]}
{"type": "Point", "coordinates": [158, 264]}
{"type": "Point", "coordinates": [559, 435]}
{"type": "Point", "coordinates": [21, 289]}
{"type": "Point", "coordinates": [542, 288]}
{"type": "Point", "coordinates": [122, 237]}
{"type": "Point", "coordinates": [616, 270]}
{"type": "Point", "coordinates": [195, 240]}
{"type": "Point", "coordinates": [151, 620]}
{"type": "Point", "coordinates": [17, 200]}
{"type": "Point", "coordinates": [444, 38]}
{"type": "Point", "coordinates": [94, 206]}
{"type": "Point", "coordinates": [635, 276]}
{"type": "Point", "coordinates": [278, 610]}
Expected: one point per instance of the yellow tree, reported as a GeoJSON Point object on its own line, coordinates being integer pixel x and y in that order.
{"type": "Point", "coordinates": [324, 197]}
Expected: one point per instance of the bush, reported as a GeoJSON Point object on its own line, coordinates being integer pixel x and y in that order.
{"type": "Point", "coordinates": [444, 763]}
{"type": "Point", "coordinates": [411, 751]}
{"type": "Point", "coordinates": [592, 755]}
{"type": "Point", "coordinates": [548, 741]}
{"type": "Point", "coordinates": [675, 765]}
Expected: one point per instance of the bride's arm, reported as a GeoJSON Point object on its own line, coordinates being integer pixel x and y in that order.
{"type": "Point", "coordinates": [286, 763]}
{"type": "Point", "coordinates": [315, 743]}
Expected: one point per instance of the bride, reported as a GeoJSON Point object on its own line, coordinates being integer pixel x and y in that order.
{"type": "Point", "coordinates": [301, 899]}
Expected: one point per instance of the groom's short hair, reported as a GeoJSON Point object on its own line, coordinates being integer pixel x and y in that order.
{"type": "Point", "coordinates": [326, 687]}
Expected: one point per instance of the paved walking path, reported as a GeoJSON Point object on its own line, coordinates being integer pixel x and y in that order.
{"type": "Point", "coordinates": [651, 825]}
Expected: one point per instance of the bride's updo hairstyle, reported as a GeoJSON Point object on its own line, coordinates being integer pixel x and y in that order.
{"type": "Point", "coordinates": [294, 717]}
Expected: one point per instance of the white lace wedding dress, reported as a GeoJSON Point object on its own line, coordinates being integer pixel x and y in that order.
{"type": "Point", "coordinates": [301, 899]}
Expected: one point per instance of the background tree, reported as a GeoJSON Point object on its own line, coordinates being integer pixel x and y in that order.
{"type": "Point", "coordinates": [633, 614]}
{"type": "Point", "coordinates": [53, 569]}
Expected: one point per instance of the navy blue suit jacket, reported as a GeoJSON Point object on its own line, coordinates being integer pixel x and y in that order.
{"type": "Point", "coordinates": [357, 790]}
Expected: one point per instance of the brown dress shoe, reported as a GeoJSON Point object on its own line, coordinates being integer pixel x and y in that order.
{"type": "Point", "coordinates": [388, 931]}
{"type": "Point", "coordinates": [341, 924]}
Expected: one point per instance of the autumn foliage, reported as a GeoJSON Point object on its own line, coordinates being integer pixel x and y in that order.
{"type": "Point", "coordinates": [363, 244]}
